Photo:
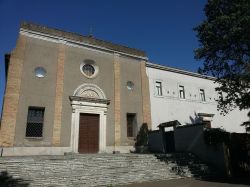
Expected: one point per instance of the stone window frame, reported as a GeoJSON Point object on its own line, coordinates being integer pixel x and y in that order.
{"type": "Point", "coordinates": [93, 64]}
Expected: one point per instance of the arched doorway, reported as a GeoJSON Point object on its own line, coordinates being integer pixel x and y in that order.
{"type": "Point", "coordinates": [88, 130]}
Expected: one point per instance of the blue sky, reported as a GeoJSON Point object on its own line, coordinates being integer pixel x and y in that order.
{"type": "Point", "coordinates": [162, 28]}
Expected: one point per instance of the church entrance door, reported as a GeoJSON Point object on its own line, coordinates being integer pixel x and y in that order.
{"type": "Point", "coordinates": [88, 133]}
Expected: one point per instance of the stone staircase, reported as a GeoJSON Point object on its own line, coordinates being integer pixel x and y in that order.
{"type": "Point", "coordinates": [94, 169]}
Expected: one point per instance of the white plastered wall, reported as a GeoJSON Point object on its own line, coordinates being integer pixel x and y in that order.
{"type": "Point", "coordinates": [170, 107]}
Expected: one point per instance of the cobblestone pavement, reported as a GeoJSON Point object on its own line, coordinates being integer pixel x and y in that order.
{"type": "Point", "coordinates": [191, 182]}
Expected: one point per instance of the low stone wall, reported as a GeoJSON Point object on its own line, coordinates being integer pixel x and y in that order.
{"type": "Point", "coordinates": [190, 138]}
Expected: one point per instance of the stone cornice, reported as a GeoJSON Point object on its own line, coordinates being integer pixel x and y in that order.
{"type": "Point", "coordinates": [90, 100]}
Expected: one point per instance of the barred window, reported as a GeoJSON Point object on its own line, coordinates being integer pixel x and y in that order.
{"type": "Point", "coordinates": [35, 122]}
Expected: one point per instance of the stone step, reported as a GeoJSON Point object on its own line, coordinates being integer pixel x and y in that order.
{"type": "Point", "coordinates": [100, 169]}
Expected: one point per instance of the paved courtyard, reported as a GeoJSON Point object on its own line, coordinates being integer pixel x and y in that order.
{"type": "Point", "coordinates": [190, 182]}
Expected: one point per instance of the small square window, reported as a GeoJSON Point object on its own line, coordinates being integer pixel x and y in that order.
{"type": "Point", "coordinates": [158, 86]}
{"type": "Point", "coordinates": [35, 122]}
{"type": "Point", "coordinates": [181, 92]}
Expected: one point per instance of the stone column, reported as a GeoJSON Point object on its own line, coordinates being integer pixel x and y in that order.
{"type": "Point", "coordinates": [72, 140]}
{"type": "Point", "coordinates": [102, 132]}
{"type": "Point", "coordinates": [12, 94]}
{"type": "Point", "coordinates": [117, 99]}
{"type": "Point", "coordinates": [59, 96]}
{"type": "Point", "coordinates": [145, 95]}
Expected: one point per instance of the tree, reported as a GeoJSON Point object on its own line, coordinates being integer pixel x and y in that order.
{"type": "Point", "coordinates": [142, 136]}
{"type": "Point", "coordinates": [224, 38]}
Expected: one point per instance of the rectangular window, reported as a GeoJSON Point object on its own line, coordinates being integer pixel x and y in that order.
{"type": "Point", "coordinates": [131, 125]}
{"type": "Point", "coordinates": [181, 92]}
{"type": "Point", "coordinates": [202, 95]}
{"type": "Point", "coordinates": [158, 87]}
{"type": "Point", "coordinates": [35, 122]}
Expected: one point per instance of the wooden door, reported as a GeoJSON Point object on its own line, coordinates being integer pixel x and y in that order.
{"type": "Point", "coordinates": [88, 133]}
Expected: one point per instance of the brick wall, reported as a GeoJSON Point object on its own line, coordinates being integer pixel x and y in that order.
{"type": "Point", "coordinates": [12, 94]}
{"type": "Point", "coordinates": [145, 95]}
{"type": "Point", "coordinates": [59, 96]}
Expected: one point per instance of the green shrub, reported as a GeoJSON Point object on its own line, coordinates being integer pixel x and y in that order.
{"type": "Point", "coordinates": [142, 136]}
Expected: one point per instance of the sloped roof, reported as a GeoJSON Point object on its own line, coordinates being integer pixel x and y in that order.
{"type": "Point", "coordinates": [80, 38]}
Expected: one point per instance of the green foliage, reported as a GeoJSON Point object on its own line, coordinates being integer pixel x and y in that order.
{"type": "Point", "coordinates": [224, 38]}
{"type": "Point", "coordinates": [142, 136]}
{"type": "Point", "coordinates": [214, 136]}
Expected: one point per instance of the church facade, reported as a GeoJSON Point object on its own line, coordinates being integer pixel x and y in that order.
{"type": "Point", "coordinates": [71, 93]}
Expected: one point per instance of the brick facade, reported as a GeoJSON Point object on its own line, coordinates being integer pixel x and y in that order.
{"type": "Point", "coordinates": [12, 94]}
{"type": "Point", "coordinates": [145, 95]}
{"type": "Point", "coordinates": [59, 96]}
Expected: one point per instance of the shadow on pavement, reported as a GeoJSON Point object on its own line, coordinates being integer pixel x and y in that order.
{"type": "Point", "coordinates": [7, 180]}
{"type": "Point", "coordinates": [229, 180]}
{"type": "Point", "coordinates": [199, 170]}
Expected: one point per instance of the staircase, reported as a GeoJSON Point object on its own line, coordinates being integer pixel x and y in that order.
{"type": "Point", "coordinates": [93, 169]}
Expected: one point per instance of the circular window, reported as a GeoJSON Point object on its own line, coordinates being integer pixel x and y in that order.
{"type": "Point", "coordinates": [89, 69]}
{"type": "Point", "coordinates": [130, 85]}
{"type": "Point", "coordinates": [40, 72]}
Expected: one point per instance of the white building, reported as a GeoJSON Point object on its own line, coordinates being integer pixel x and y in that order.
{"type": "Point", "coordinates": [187, 97]}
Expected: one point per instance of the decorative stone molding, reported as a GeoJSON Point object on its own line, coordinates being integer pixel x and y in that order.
{"type": "Point", "coordinates": [88, 94]}
{"type": "Point", "coordinates": [89, 91]}
{"type": "Point", "coordinates": [88, 98]}
{"type": "Point", "coordinates": [91, 63]}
